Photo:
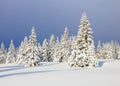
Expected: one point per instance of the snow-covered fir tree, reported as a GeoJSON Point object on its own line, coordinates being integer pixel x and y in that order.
{"type": "Point", "coordinates": [107, 51]}
{"type": "Point", "coordinates": [118, 54]}
{"type": "Point", "coordinates": [57, 53]}
{"type": "Point", "coordinates": [64, 47]}
{"type": "Point", "coordinates": [83, 53]}
{"type": "Point", "coordinates": [40, 51]}
{"type": "Point", "coordinates": [72, 42]}
{"type": "Point", "coordinates": [99, 50]}
{"type": "Point", "coordinates": [19, 54]}
{"type": "Point", "coordinates": [25, 42]}
{"type": "Point", "coordinates": [45, 53]}
{"type": "Point", "coordinates": [32, 52]}
{"type": "Point", "coordinates": [2, 54]}
{"type": "Point", "coordinates": [21, 51]}
{"type": "Point", "coordinates": [115, 49]}
{"type": "Point", "coordinates": [11, 54]}
{"type": "Point", "coordinates": [51, 47]}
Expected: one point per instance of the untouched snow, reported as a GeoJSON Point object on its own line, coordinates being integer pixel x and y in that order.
{"type": "Point", "coordinates": [59, 74]}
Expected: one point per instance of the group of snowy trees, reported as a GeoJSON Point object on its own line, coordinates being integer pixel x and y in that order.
{"type": "Point", "coordinates": [78, 51]}
{"type": "Point", "coordinates": [109, 50]}
{"type": "Point", "coordinates": [27, 53]}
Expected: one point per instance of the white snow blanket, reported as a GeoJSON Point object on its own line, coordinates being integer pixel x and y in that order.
{"type": "Point", "coordinates": [59, 74]}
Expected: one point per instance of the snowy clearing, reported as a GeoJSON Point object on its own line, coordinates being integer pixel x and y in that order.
{"type": "Point", "coordinates": [59, 74]}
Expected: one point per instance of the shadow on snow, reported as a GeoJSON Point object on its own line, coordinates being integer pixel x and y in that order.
{"type": "Point", "coordinates": [25, 73]}
{"type": "Point", "coordinates": [18, 67]}
{"type": "Point", "coordinates": [10, 68]}
{"type": "Point", "coordinates": [100, 63]}
{"type": "Point", "coordinates": [51, 64]}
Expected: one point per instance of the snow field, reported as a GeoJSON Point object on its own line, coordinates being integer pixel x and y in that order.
{"type": "Point", "coordinates": [59, 74]}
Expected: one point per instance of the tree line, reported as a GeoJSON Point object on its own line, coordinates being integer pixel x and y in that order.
{"type": "Point", "coordinates": [78, 51]}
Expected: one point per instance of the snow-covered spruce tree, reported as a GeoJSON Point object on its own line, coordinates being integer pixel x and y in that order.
{"type": "Point", "coordinates": [72, 42]}
{"type": "Point", "coordinates": [40, 51]}
{"type": "Point", "coordinates": [99, 50]}
{"type": "Point", "coordinates": [25, 42]}
{"type": "Point", "coordinates": [64, 48]}
{"type": "Point", "coordinates": [115, 48]}
{"type": "Point", "coordinates": [2, 54]}
{"type": "Point", "coordinates": [118, 54]}
{"type": "Point", "coordinates": [32, 52]}
{"type": "Point", "coordinates": [65, 45]}
{"type": "Point", "coordinates": [19, 54]}
{"type": "Point", "coordinates": [107, 51]}
{"type": "Point", "coordinates": [51, 47]}
{"type": "Point", "coordinates": [11, 54]}
{"type": "Point", "coordinates": [57, 53]}
{"type": "Point", "coordinates": [83, 53]}
{"type": "Point", "coordinates": [21, 51]}
{"type": "Point", "coordinates": [45, 56]}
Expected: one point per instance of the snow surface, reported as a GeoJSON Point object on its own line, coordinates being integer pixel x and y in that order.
{"type": "Point", "coordinates": [59, 74]}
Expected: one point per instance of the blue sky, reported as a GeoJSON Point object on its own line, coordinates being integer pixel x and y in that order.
{"type": "Point", "coordinates": [51, 17]}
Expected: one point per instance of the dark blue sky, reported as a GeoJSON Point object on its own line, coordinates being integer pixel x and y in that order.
{"type": "Point", "coordinates": [51, 17]}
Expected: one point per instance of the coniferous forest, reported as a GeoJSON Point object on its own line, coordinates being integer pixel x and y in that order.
{"type": "Point", "coordinates": [77, 51]}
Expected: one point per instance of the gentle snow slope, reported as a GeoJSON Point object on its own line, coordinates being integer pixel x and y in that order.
{"type": "Point", "coordinates": [59, 74]}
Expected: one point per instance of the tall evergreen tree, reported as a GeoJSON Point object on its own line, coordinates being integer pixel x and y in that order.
{"type": "Point", "coordinates": [115, 49]}
{"type": "Point", "coordinates": [118, 54]}
{"type": "Point", "coordinates": [45, 55]}
{"type": "Point", "coordinates": [40, 51]}
{"type": "Point", "coordinates": [21, 51]}
{"type": "Point", "coordinates": [11, 55]}
{"type": "Point", "coordinates": [64, 47]}
{"type": "Point", "coordinates": [51, 47]}
{"type": "Point", "coordinates": [56, 54]}
{"type": "Point", "coordinates": [99, 50]}
{"type": "Point", "coordinates": [107, 51]}
{"type": "Point", "coordinates": [83, 53]}
{"type": "Point", "coordinates": [32, 52]}
{"type": "Point", "coordinates": [2, 54]}
{"type": "Point", "coordinates": [19, 54]}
